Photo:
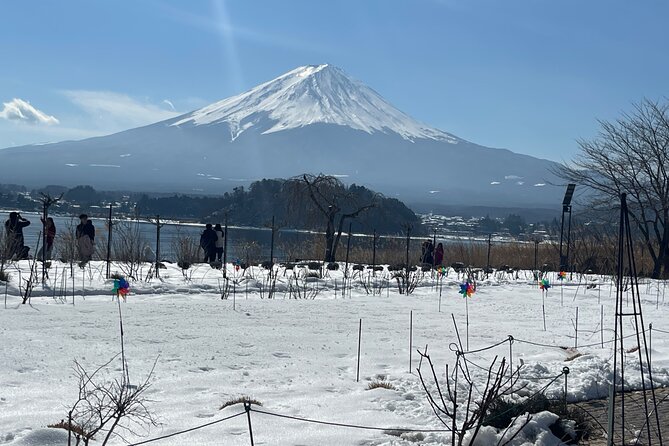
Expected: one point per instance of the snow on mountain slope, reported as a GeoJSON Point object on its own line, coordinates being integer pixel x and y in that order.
{"type": "Point", "coordinates": [308, 95]}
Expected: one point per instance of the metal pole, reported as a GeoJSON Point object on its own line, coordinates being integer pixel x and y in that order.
{"type": "Point", "coordinates": [109, 241]}
{"type": "Point", "coordinates": [357, 376]}
{"type": "Point", "coordinates": [271, 248]}
{"type": "Point", "coordinates": [568, 240]}
{"type": "Point", "coordinates": [225, 249]}
{"type": "Point", "coordinates": [157, 245]}
{"type": "Point", "coordinates": [489, 248]}
{"type": "Point", "coordinates": [576, 334]}
{"type": "Point", "coordinates": [561, 237]}
{"type": "Point", "coordinates": [348, 249]}
{"type": "Point", "coordinates": [410, 339]}
{"type": "Point", "coordinates": [407, 253]}
{"type": "Point", "coordinates": [45, 210]}
{"type": "Point", "coordinates": [374, 253]}
{"type": "Point", "coordinates": [247, 408]}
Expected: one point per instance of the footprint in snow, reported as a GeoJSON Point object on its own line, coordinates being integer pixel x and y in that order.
{"type": "Point", "coordinates": [202, 369]}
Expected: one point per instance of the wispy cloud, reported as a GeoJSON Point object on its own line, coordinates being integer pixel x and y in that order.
{"type": "Point", "coordinates": [169, 104]}
{"type": "Point", "coordinates": [23, 111]}
{"type": "Point", "coordinates": [119, 111]}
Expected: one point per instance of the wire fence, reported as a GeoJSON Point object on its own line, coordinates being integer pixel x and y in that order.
{"type": "Point", "coordinates": [549, 381]}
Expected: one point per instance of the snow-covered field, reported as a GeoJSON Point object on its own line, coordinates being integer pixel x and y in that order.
{"type": "Point", "coordinates": [296, 356]}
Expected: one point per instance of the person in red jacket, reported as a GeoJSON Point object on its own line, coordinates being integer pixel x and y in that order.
{"type": "Point", "coordinates": [50, 231]}
{"type": "Point", "coordinates": [439, 255]}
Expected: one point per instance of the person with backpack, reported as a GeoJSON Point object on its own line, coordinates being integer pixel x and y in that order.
{"type": "Point", "coordinates": [208, 243]}
{"type": "Point", "coordinates": [220, 241]}
{"type": "Point", "coordinates": [85, 238]}
{"type": "Point", "coordinates": [15, 243]}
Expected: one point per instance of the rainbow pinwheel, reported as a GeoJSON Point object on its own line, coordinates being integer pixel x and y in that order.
{"type": "Point", "coordinates": [121, 287]}
{"type": "Point", "coordinates": [467, 289]}
{"type": "Point", "coordinates": [544, 284]}
{"type": "Point", "coordinates": [562, 275]}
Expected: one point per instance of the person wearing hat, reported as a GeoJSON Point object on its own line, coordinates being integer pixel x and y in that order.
{"type": "Point", "coordinates": [85, 238]}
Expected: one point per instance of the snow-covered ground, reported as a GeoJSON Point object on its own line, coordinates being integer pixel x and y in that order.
{"type": "Point", "coordinates": [297, 356]}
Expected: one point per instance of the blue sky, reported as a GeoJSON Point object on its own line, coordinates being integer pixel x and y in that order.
{"type": "Point", "coordinates": [532, 76]}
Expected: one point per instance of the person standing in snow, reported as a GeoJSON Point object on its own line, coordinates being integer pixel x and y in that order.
{"type": "Point", "coordinates": [427, 250]}
{"type": "Point", "coordinates": [14, 241]}
{"type": "Point", "coordinates": [85, 238]}
{"type": "Point", "coordinates": [50, 231]}
{"type": "Point", "coordinates": [220, 240]}
{"type": "Point", "coordinates": [208, 243]}
{"type": "Point", "coordinates": [439, 255]}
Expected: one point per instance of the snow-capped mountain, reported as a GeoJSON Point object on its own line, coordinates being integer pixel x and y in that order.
{"type": "Point", "coordinates": [309, 95]}
{"type": "Point", "coordinates": [312, 119]}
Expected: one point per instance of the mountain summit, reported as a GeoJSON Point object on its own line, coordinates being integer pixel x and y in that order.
{"type": "Point", "coordinates": [313, 119]}
{"type": "Point", "coordinates": [308, 95]}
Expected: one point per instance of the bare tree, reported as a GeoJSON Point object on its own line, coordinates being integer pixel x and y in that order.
{"type": "Point", "coordinates": [335, 203]}
{"type": "Point", "coordinates": [631, 155]}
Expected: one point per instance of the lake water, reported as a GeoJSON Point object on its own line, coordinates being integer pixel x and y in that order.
{"type": "Point", "coordinates": [240, 239]}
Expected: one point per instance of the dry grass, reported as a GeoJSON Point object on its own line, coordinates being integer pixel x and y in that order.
{"type": "Point", "coordinates": [240, 400]}
{"type": "Point", "coordinates": [379, 384]}
{"type": "Point", "coordinates": [74, 428]}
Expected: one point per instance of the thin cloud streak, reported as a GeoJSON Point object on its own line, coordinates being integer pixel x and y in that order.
{"type": "Point", "coordinates": [22, 111]}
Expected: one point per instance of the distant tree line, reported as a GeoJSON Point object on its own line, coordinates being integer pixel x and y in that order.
{"type": "Point", "coordinates": [288, 201]}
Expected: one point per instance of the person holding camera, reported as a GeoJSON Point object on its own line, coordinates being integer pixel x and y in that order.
{"type": "Point", "coordinates": [14, 240]}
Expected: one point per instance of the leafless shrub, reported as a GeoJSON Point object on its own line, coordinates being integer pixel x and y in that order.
{"type": "Point", "coordinates": [464, 397]}
{"type": "Point", "coordinates": [107, 408]}
{"type": "Point", "coordinates": [408, 279]}
{"type": "Point", "coordinates": [130, 248]}
{"type": "Point", "coordinates": [186, 249]}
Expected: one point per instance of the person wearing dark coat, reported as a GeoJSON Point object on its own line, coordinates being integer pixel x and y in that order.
{"type": "Point", "coordinates": [14, 240]}
{"type": "Point", "coordinates": [85, 238]}
{"type": "Point", "coordinates": [208, 243]}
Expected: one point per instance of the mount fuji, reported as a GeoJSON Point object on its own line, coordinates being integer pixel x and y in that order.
{"type": "Point", "coordinates": [312, 119]}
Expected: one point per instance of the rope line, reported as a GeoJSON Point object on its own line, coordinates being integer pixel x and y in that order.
{"type": "Point", "coordinates": [352, 426]}
{"type": "Point", "coordinates": [173, 434]}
